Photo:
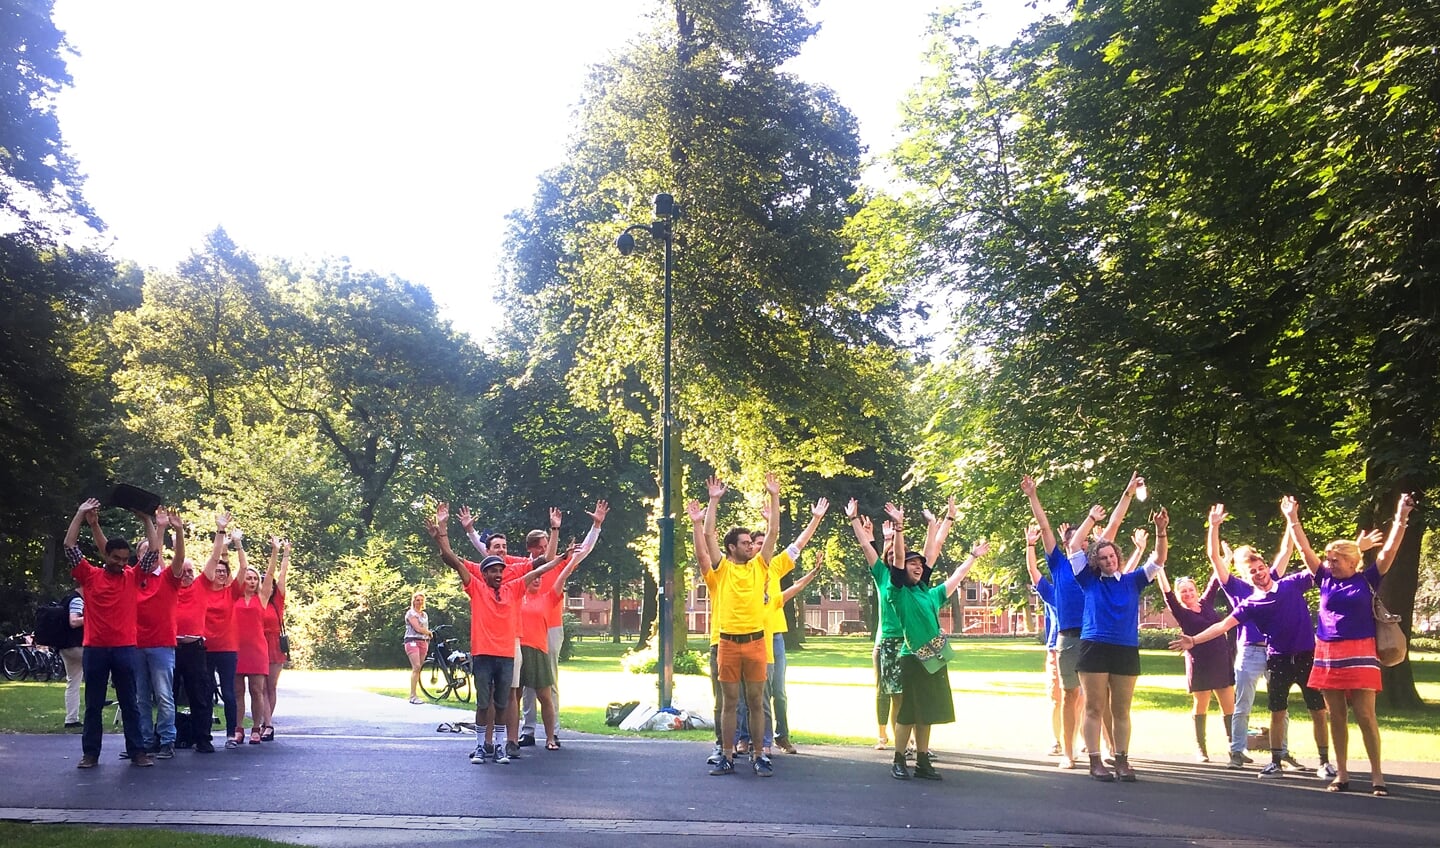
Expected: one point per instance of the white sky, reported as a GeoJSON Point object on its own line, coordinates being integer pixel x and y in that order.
{"type": "Point", "coordinates": [399, 135]}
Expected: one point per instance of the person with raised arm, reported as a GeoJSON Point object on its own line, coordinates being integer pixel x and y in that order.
{"type": "Point", "coordinates": [493, 622]}
{"type": "Point", "coordinates": [542, 594]}
{"type": "Point", "coordinates": [1209, 668]}
{"type": "Point", "coordinates": [110, 636]}
{"type": "Point", "coordinates": [777, 714]}
{"type": "Point", "coordinates": [1044, 588]}
{"type": "Point", "coordinates": [889, 639]}
{"type": "Point", "coordinates": [743, 572]}
{"type": "Point", "coordinates": [1252, 651]}
{"type": "Point", "coordinates": [220, 589]}
{"type": "Point", "coordinates": [156, 594]}
{"type": "Point", "coordinates": [1109, 659]}
{"type": "Point", "coordinates": [1279, 611]}
{"type": "Point", "coordinates": [252, 653]}
{"type": "Point", "coordinates": [1346, 668]}
{"type": "Point", "coordinates": [926, 652]}
{"type": "Point", "coordinates": [698, 527]}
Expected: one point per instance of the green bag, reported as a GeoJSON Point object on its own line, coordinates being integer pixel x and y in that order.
{"type": "Point", "coordinates": [935, 653]}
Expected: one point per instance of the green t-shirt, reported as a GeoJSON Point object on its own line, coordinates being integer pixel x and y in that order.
{"type": "Point", "coordinates": [889, 625]}
{"type": "Point", "coordinates": [917, 611]}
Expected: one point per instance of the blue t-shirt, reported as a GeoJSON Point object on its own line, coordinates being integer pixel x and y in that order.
{"type": "Point", "coordinates": [1069, 599]}
{"type": "Point", "coordinates": [1112, 606]}
{"type": "Point", "coordinates": [1282, 614]}
{"type": "Point", "coordinates": [1046, 590]}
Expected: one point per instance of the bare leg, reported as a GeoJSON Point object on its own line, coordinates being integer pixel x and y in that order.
{"type": "Point", "coordinates": [1335, 704]}
{"type": "Point", "coordinates": [1097, 699]}
{"type": "Point", "coordinates": [546, 697]}
{"type": "Point", "coordinates": [272, 688]}
{"type": "Point", "coordinates": [1122, 693]}
{"type": "Point", "coordinates": [415, 662]}
{"type": "Point", "coordinates": [512, 718]}
{"type": "Point", "coordinates": [1320, 723]}
{"type": "Point", "coordinates": [729, 704]}
{"type": "Point", "coordinates": [755, 700]}
{"type": "Point", "coordinates": [240, 706]}
{"type": "Point", "coordinates": [1362, 701]}
{"type": "Point", "coordinates": [1073, 709]}
{"type": "Point", "coordinates": [895, 722]}
{"type": "Point", "coordinates": [259, 711]}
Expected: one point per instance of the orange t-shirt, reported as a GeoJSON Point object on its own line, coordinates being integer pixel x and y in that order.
{"type": "Point", "coordinates": [493, 619]}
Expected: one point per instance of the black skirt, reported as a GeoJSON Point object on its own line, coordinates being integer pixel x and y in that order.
{"type": "Point", "coordinates": [927, 698]}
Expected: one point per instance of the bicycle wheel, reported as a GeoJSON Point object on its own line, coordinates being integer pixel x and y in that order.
{"type": "Point", "coordinates": [57, 666]}
{"type": "Point", "coordinates": [432, 680]}
{"type": "Point", "coordinates": [460, 678]}
{"type": "Point", "coordinates": [12, 665]}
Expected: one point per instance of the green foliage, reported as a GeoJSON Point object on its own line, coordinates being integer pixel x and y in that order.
{"type": "Point", "coordinates": [647, 661]}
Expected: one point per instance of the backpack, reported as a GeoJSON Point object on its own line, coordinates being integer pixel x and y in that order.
{"type": "Point", "coordinates": [52, 626]}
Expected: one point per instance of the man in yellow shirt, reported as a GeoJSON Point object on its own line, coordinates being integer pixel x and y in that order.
{"type": "Point", "coordinates": [741, 594]}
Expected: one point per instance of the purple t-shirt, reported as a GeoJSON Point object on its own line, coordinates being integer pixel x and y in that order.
{"type": "Point", "coordinates": [1282, 615]}
{"type": "Point", "coordinates": [1237, 590]}
{"type": "Point", "coordinates": [1345, 605]}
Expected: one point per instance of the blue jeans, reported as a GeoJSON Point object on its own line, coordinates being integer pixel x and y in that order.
{"type": "Point", "coordinates": [102, 665]}
{"type": "Point", "coordinates": [155, 694]}
{"type": "Point", "coordinates": [777, 690]}
{"type": "Point", "coordinates": [1249, 669]}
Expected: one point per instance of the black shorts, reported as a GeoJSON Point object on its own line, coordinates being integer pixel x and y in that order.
{"type": "Point", "coordinates": [1105, 658]}
{"type": "Point", "coordinates": [1285, 670]}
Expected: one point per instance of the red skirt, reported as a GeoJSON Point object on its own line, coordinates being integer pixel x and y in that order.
{"type": "Point", "coordinates": [1346, 664]}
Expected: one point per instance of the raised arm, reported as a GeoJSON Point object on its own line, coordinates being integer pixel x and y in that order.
{"type": "Point", "coordinates": [1219, 566]}
{"type": "Point", "coordinates": [863, 529]}
{"type": "Point", "coordinates": [715, 490]}
{"type": "Point", "coordinates": [98, 535]}
{"type": "Point", "coordinates": [1077, 539]}
{"type": "Point", "coordinates": [804, 580]}
{"type": "Point", "coordinates": [1027, 485]}
{"type": "Point", "coordinates": [436, 529]}
{"type": "Point", "coordinates": [817, 512]}
{"type": "Point", "coordinates": [467, 523]}
{"type": "Point", "coordinates": [696, 512]}
{"type": "Point", "coordinates": [538, 570]}
{"type": "Point", "coordinates": [267, 583]}
{"type": "Point", "coordinates": [597, 518]}
{"type": "Point", "coordinates": [897, 540]}
{"type": "Point", "coordinates": [772, 520]}
{"type": "Point", "coordinates": [82, 514]}
{"type": "Point", "coordinates": [1283, 553]}
{"type": "Point", "coordinates": [1032, 535]}
{"type": "Point", "coordinates": [552, 544]}
{"type": "Point", "coordinates": [1122, 506]}
{"type": "Point", "coordinates": [1290, 508]}
{"type": "Point", "coordinates": [238, 537]}
{"type": "Point", "coordinates": [284, 566]}
{"type": "Point", "coordinates": [952, 582]}
{"type": "Point", "coordinates": [1386, 556]}
{"type": "Point", "coordinates": [1161, 517]}
{"type": "Point", "coordinates": [222, 540]}
{"type": "Point", "coordinates": [935, 541]}
{"type": "Point", "coordinates": [169, 518]}
{"type": "Point", "coordinates": [1140, 538]}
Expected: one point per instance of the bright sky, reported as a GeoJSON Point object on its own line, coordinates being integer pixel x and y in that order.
{"type": "Point", "coordinates": [399, 135]}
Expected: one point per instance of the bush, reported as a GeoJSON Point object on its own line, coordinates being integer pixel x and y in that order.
{"type": "Point", "coordinates": [1160, 639]}
{"type": "Point", "coordinates": [647, 661]}
{"type": "Point", "coordinates": [1425, 643]}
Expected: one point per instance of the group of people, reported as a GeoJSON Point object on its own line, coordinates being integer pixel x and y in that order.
{"type": "Point", "coordinates": [154, 628]}
{"type": "Point", "coordinates": [1092, 603]}
{"type": "Point", "coordinates": [516, 627]}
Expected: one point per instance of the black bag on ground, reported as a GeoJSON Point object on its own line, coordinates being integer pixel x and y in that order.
{"type": "Point", "coordinates": [615, 712]}
{"type": "Point", "coordinates": [184, 737]}
{"type": "Point", "coordinates": [52, 626]}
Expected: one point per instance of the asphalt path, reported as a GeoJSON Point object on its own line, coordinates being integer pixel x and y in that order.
{"type": "Point", "coordinates": [354, 768]}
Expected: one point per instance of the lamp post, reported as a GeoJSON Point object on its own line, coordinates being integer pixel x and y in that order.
{"type": "Point", "coordinates": [662, 229]}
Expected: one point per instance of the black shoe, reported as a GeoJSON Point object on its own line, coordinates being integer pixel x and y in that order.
{"type": "Point", "coordinates": [204, 748]}
{"type": "Point", "coordinates": [763, 766]}
{"type": "Point", "coordinates": [71, 725]}
{"type": "Point", "coordinates": [527, 740]}
{"type": "Point", "coordinates": [124, 755]}
{"type": "Point", "coordinates": [898, 769]}
{"type": "Point", "coordinates": [725, 766]}
{"type": "Point", "coordinates": [923, 769]}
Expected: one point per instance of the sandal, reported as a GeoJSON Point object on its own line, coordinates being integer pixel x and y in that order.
{"type": "Point", "coordinates": [232, 742]}
{"type": "Point", "coordinates": [254, 736]}
{"type": "Point", "coordinates": [552, 744]}
{"type": "Point", "coordinates": [415, 699]}
{"type": "Point", "coordinates": [268, 734]}
{"type": "Point", "coordinates": [882, 744]}
{"type": "Point", "coordinates": [1380, 791]}
{"type": "Point", "coordinates": [1338, 786]}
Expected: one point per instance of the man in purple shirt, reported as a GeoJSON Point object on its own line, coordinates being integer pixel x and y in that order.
{"type": "Point", "coordinates": [1279, 610]}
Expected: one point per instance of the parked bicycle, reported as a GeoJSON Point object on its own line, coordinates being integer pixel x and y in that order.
{"type": "Point", "coordinates": [22, 659]}
{"type": "Point", "coordinates": [446, 669]}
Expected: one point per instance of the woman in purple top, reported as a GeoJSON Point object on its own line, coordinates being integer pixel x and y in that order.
{"type": "Point", "coordinates": [1209, 667]}
{"type": "Point", "coordinates": [1346, 669]}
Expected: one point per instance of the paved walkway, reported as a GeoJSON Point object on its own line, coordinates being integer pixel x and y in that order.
{"type": "Point", "coordinates": [353, 768]}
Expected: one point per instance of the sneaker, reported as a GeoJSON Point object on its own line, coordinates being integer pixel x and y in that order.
{"type": "Point", "coordinates": [166, 752]}
{"type": "Point", "coordinates": [204, 747]}
{"type": "Point", "coordinates": [141, 759]}
{"type": "Point", "coordinates": [124, 755]}
{"type": "Point", "coordinates": [88, 761]}
{"type": "Point", "coordinates": [72, 725]}
{"type": "Point", "coordinates": [501, 756]}
{"type": "Point", "coordinates": [1326, 772]}
{"type": "Point", "coordinates": [1201, 756]}
{"type": "Point", "coordinates": [784, 744]}
{"type": "Point", "coordinates": [1237, 760]}
{"type": "Point", "coordinates": [512, 749]}
{"type": "Point", "coordinates": [763, 766]}
{"type": "Point", "coordinates": [716, 755]}
{"type": "Point", "coordinates": [1272, 770]}
{"type": "Point", "coordinates": [1066, 762]}
{"type": "Point", "coordinates": [898, 769]}
{"type": "Point", "coordinates": [527, 740]}
{"type": "Point", "coordinates": [725, 766]}
{"type": "Point", "coordinates": [1246, 758]}
{"type": "Point", "coordinates": [477, 756]}
{"type": "Point", "coordinates": [1292, 764]}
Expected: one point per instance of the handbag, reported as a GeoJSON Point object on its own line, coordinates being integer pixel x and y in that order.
{"type": "Point", "coordinates": [285, 644]}
{"type": "Point", "coordinates": [933, 655]}
{"type": "Point", "coordinates": [1390, 645]}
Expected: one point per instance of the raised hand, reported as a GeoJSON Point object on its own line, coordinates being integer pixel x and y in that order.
{"type": "Point", "coordinates": [1032, 534]}
{"type": "Point", "coordinates": [602, 509]}
{"type": "Point", "coordinates": [1404, 506]}
{"type": "Point", "coordinates": [980, 549]}
{"type": "Point", "coordinates": [772, 483]}
{"type": "Point", "coordinates": [1063, 530]}
{"type": "Point", "coordinates": [821, 507]}
{"type": "Point", "coordinates": [1027, 485]}
{"type": "Point", "coordinates": [431, 529]}
{"type": "Point", "coordinates": [1136, 481]}
{"type": "Point", "coordinates": [285, 546]}
{"type": "Point", "coordinates": [222, 521]}
{"type": "Point", "coordinates": [1140, 538]}
{"type": "Point", "coordinates": [695, 511]}
{"type": "Point", "coordinates": [888, 530]}
{"type": "Point", "coordinates": [951, 512]}
{"type": "Point", "coordinates": [715, 488]}
{"type": "Point", "coordinates": [467, 521]}
{"type": "Point", "coordinates": [929, 516]}
{"type": "Point", "coordinates": [864, 530]}
{"type": "Point", "coordinates": [1369, 539]}
{"type": "Point", "coordinates": [897, 515]}
{"type": "Point", "coordinates": [852, 510]}
{"type": "Point", "coordinates": [1097, 513]}
{"type": "Point", "coordinates": [555, 518]}
{"type": "Point", "coordinates": [89, 510]}
{"type": "Point", "coordinates": [275, 544]}
{"type": "Point", "coordinates": [442, 514]}
{"type": "Point", "coordinates": [819, 560]}
{"type": "Point", "coordinates": [162, 517]}
{"type": "Point", "coordinates": [1290, 508]}
{"type": "Point", "coordinates": [1161, 517]}
{"type": "Point", "coordinates": [1217, 515]}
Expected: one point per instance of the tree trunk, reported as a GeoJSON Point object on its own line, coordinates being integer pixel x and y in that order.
{"type": "Point", "coordinates": [615, 610]}
{"type": "Point", "coordinates": [648, 600]}
{"type": "Point", "coordinates": [957, 611]}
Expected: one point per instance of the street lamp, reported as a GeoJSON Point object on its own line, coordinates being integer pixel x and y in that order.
{"type": "Point", "coordinates": [662, 228]}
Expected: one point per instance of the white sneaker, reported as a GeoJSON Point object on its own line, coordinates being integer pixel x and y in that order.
{"type": "Point", "coordinates": [1272, 770]}
{"type": "Point", "coordinates": [477, 757]}
{"type": "Point", "coordinates": [501, 758]}
{"type": "Point", "coordinates": [1326, 772]}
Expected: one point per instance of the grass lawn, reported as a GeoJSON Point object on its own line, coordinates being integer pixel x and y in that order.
{"type": "Point", "coordinates": [69, 836]}
{"type": "Point", "coordinates": [999, 690]}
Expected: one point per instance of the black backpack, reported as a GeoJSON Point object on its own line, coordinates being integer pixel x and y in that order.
{"type": "Point", "coordinates": [52, 625]}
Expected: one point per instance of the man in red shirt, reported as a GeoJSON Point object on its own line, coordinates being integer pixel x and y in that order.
{"type": "Point", "coordinates": [191, 674]}
{"type": "Point", "coordinates": [155, 645]}
{"type": "Point", "coordinates": [110, 633]}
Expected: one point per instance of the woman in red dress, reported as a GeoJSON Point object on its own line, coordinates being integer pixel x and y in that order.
{"type": "Point", "coordinates": [252, 665]}
{"type": "Point", "coordinates": [273, 589]}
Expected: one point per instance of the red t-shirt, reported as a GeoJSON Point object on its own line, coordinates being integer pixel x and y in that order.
{"type": "Point", "coordinates": [220, 613]}
{"type": "Point", "coordinates": [492, 619]}
{"type": "Point", "coordinates": [534, 615]}
{"type": "Point", "coordinates": [190, 610]}
{"type": "Point", "coordinates": [555, 614]}
{"type": "Point", "coordinates": [155, 612]}
{"type": "Point", "coordinates": [109, 604]}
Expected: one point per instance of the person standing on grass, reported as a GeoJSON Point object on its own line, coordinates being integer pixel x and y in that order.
{"type": "Point", "coordinates": [1209, 668]}
{"type": "Point", "coordinates": [925, 655]}
{"type": "Point", "coordinates": [742, 580]}
{"type": "Point", "coordinates": [1279, 610]}
{"type": "Point", "coordinates": [777, 720]}
{"type": "Point", "coordinates": [493, 617]}
{"type": "Point", "coordinates": [1045, 590]}
{"type": "Point", "coordinates": [110, 634]}
{"type": "Point", "coordinates": [1252, 652]}
{"type": "Point", "coordinates": [1346, 669]}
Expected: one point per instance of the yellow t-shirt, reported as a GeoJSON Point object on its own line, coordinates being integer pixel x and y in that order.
{"type": "Point", "coordinates": [741, 592]}
{"type": "Point", "coordinates": [780, 565]}
{"type": "Point", "coordinates": [712, 588]}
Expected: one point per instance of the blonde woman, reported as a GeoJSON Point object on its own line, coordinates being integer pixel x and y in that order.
{"type": "Point", "coordinates": [1346, 669]}
{"type": "Point", "coordinates": [417, 640]}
